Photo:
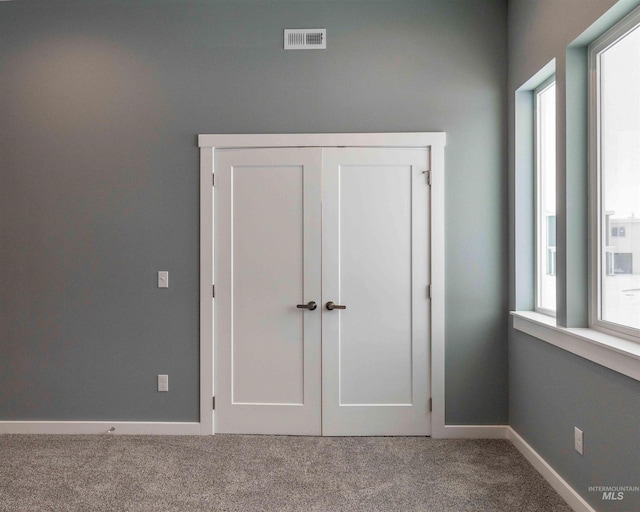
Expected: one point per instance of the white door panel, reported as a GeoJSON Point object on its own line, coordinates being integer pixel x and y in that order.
{"type": "Point", "coordinates": [267, 261]}
{"type": "Point", "coordinates": [268, 279]}
{"type": "Point", "coordinates": [375, 281]}
{"type": "Point", "coordinates": [348, 225]}
{"type": "Point", "coordinates": [375, 262]}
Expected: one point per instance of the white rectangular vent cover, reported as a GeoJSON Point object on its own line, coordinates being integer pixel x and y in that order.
{"type": "Point", "coordinates": [305, 39]}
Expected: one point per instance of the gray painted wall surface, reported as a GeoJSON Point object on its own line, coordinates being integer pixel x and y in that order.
{"type": "Point", "coordinates": [540, 30]}
{"type": "Point", "coordinates": [551, 390]}
{"type": "Point", "coordinates": [101, 103]}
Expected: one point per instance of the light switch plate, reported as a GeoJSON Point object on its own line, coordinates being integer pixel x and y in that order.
{"type": "Point", "coordinates": [163, 383]}
{"type": "Point", "coordinates": [163, 279]}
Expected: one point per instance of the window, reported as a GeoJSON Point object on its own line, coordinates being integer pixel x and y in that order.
{"type": "Point", "coordinates": [612, 264]}
{"type": "Point", "coordinates": [615, 161]}
{"type": "Point", "coordinates": [545, 154]}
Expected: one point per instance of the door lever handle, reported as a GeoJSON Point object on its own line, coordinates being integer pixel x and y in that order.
{"type": "Point", "coordinates": [311, 305]}
{"type": "Point", "coordinates": [332, 305]}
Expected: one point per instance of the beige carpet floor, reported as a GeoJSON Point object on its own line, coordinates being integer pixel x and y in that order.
{"type": "Point", "coordinates": [267, 473]}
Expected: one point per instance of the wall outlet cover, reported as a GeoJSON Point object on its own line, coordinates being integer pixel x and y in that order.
{"type": "Point", "coordinates": [163, 383]}
{"type": "Point", "coordinates": [578, 440]}
{"type": "Point", "coordinates": [163, 279]}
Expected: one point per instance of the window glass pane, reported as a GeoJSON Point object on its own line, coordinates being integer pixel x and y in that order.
{"type": "Point", "coordinates": [546, 198]}
{"type": "Point", "coordinates": [620, 181]}
{"type": "Point", "coordinates": [551, 246]}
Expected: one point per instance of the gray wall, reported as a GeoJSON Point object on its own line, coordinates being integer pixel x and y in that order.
{"type": "Point", "coordinates": [551, 390]}
{"type": "Point", "coordinates": [100, 106]}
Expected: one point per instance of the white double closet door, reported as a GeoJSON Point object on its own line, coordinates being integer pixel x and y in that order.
{"type": "Point", "coordinates": [297, 226]}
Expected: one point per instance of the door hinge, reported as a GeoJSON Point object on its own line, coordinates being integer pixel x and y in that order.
{"type": "Point", "coordinates": [213, 180]}
{"type": "Point", "coordinates": [213, 404]}
{"type": "Point", "coordinates": [213, 290]}
{"type": "Point", "coordinates": [430, 404]}
{"type": "Point", "coordinates": [428, 291]}
{"type": "Point", "coordinates": [428, 175]}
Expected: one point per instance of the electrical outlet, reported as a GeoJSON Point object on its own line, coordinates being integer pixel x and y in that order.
{"type": "Point", "coordinates": [163, 383]}
{"type": "Point", "coordinates": [578, 436]}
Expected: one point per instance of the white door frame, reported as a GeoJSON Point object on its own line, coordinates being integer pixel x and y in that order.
{"type": "Point", "coordinates": [435, 141]}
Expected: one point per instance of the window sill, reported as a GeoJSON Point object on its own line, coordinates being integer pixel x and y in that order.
{"type": "Point", "coordinates": [618, 354]}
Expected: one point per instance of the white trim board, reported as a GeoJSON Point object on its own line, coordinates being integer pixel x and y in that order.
{"type": "Point", "coordinates": [206, 299]}
{"type": "Point", "coordinates": [101, 427]}
{"type": "Point", "coordinates": [268, 140]}
{"type": "Point", "coordinates": [566, 492]}
{"type": "Point", "coordinates": [434, 140]}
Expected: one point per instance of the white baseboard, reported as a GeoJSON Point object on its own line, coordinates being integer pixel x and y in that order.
{"type": "Point", "coordinates": [100, 427]}
{"type": "Point", "coordinates": [575, 501]}
{"type": "Point", "coordinates": [194, 429]}
{"type": "Point", "coordinates": [471, 432]}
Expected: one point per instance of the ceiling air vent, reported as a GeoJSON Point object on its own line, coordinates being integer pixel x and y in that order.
{"type": "Point", "coordinates": [305, 39]}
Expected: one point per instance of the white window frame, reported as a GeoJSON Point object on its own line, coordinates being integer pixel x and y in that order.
{"type": "Point", "coordinates": [596, 227]}
{"type": "Point", "coordinates": [540, 263]}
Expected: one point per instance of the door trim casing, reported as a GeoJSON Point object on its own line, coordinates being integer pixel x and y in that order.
{"type": "Point", "coordinates": [435, 141]}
